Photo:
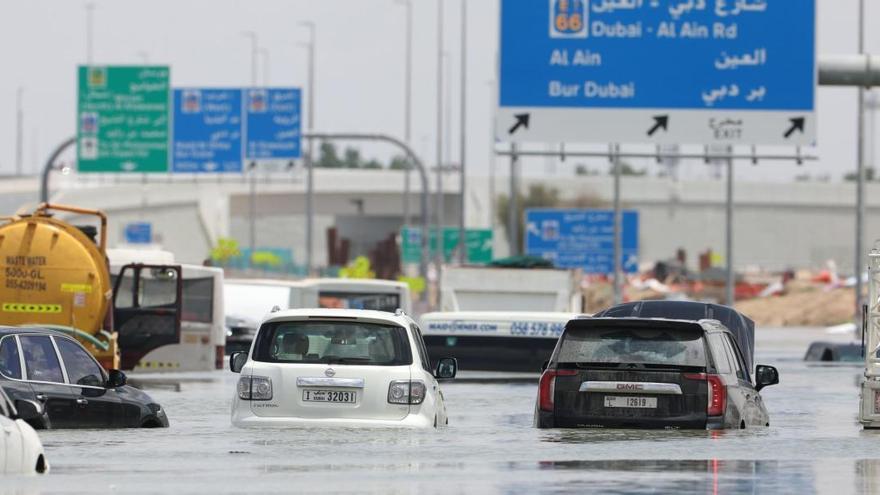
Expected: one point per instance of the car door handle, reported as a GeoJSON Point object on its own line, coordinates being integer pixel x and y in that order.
{"type": "Point", "coordinates": [42, 397]}
{"type": "Point", "coordinates": [82, 402]}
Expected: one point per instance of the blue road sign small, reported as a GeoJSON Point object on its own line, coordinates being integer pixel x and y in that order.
{"type": "Point", "coordinates": [582, 238]}
{"type": "Point", "coordinates": [139, 233]}
{"type": "Point", "coordinates": [273, 123]}
{"type": "Point", "coordinates": [207, 130]}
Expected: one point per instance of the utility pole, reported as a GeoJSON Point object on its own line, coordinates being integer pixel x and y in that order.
{"type": "Point", "coordinates": [462, 188]}
{"type": "Point", "coordinates": [439, 255]}
{"type": "Point", "coordinates": [252, 196]}
{"type": "Point", "coordinates": [407, 116]}
{"type": "Point", "coordinates": [860, 179]}
{"type": "Point", "coordinates": [310, 177]}
{"type": "Point", "coordinates": [19, 132]}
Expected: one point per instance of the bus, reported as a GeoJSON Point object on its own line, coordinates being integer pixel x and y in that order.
{"type": "Point", "coordinates": [200, 342]}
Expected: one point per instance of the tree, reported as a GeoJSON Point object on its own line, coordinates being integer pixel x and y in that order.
{"type": "Point", "coordinates": [628, 170]}
{"type": "Point", "coordinates": [352, 158]}
{"type": "Point", "coordinates": [870, 175]}
{"type": "Point", "coordinates": [328, 158]}
{"type": "Point", "coordinates": [373, 164]}
{"type": "Point", "coordinates": [399, 162]}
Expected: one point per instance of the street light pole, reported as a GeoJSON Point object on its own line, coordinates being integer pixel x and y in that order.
{"type": "Point", "coordinates": [309, 159]}
{"type": "Point", "coordinates": [407, 216]}
{"type": "Point", "coordinates": [438, 256]}
{"type": "Point", "coordinates": [860, 179]}
{"type": "Point", "coordinates": [462, 241]}
{"type": "Point", "coordinates": [252, 196]}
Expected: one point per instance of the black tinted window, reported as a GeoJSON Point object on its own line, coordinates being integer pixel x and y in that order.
{"type": "Point", "coordinates": [40, 359]}
{"type": "Point", "coordinates": [333, 342]}
{"type": "Point", "coordinates": [198, 299]}
{"type": "Point", "coordinates": [423, 349]}
{"type": "Point", "coordinates": [10, 364]}
{"type": "Point", "coordinates": [81, 368]}
{"type": "Point", "coordinates": [633, 345]}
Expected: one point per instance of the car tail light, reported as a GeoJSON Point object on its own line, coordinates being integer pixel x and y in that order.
{"type": "Point", "coordinates": [406, 392]}
{"type": "Point", "coordinates": [717, 403]}
{"type": "Point", "coordinates": [547, 387]}
{"type": "Point", "coordinates": [254, 388]}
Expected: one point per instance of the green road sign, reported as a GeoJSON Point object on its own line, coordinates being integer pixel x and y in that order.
{"type": "Point", "coordinates": [123, 123]}
{"type": "Point", "coordinates": [478, 242]}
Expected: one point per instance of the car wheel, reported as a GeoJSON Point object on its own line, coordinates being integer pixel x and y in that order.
{"type": "Point", "coordinates": [40, 468]}
{"type": "Point", "coordinates": [742, 425]}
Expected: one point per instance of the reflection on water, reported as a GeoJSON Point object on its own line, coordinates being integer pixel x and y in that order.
{"type": "Point", "coordinates": [814, 445]}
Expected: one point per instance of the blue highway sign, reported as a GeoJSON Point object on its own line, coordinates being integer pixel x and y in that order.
{"type": "Point", "coordinates": [273, 123]}
{"type": "Point", "coordinates": [207, 130]}
{"type": "Point", "coordinates": [582, 239]}
{"type": "Point", "coordinates": [139, 233]}
{"type": "Point", "coordinates": [673, 71]}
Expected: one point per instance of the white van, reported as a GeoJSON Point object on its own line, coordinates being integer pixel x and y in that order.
{"type": "Point", "coordinates": [337, 367]}
{"type": "Point", "coordinates": [494, 340]}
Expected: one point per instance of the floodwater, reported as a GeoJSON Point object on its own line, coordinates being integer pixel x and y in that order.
{"type": "Point", "coordinates": [814, 445]}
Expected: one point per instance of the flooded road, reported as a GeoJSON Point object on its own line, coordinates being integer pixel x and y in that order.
{"type": "Point", "coordinates": [814, 445]}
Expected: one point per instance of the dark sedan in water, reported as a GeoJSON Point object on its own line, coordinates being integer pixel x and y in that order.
{"type": "Point", "coordinates": [51, 368]}
{"type": "Point", "coordinates": [650, 373]}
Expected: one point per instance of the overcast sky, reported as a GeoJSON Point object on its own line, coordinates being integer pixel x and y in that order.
{"type": "Point", "coordinates": [360, 75]}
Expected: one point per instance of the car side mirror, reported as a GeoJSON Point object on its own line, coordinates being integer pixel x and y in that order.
{"type": "Point", "coordinates": [116, 379]}
{"type": "Point", "coordinates": [28, 410]}
{"type": "Point", "coordinates": [765, 376]}
{"type": "Point", "coordinates": [237, 361]}
{"type": "Point", "coordinates": [446, 369]}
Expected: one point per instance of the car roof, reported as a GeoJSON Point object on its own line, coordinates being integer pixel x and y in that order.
{"type": "Point", "coordinates": [399, 318]}
{"type": "Point", "coordinates": [21, 330]}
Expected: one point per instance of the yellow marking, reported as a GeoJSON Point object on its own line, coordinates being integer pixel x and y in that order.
{"type": "Point", "coordinates": [86, 288]}
{"type": "Point", "coordinates": [31, 308]}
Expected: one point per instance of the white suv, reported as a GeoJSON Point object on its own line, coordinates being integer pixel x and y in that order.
{"type": "Point", "coordinates": [339, 367]}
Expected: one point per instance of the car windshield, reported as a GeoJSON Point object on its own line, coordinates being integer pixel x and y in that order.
{"type": "Point", "coordinates": [633, 346]}
{"type": "Point", "coordinates": [334, 342]}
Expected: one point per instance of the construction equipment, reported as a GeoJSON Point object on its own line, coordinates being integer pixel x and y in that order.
{"type": "Point", "coordinates": [56, 275]}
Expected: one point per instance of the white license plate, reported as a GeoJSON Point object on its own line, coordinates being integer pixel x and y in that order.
{"type": "Point", "coordinates": [335, 396]}
{"type": "Point", "coordinates": [631, 402]}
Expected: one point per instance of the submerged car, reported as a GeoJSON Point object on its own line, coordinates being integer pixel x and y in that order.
{"type": "Point", "coordinates": [21, 451]}
{"type": "Point", "coordinates": [339, 367]}
{"type": "Point", "coordinates": [650, 373]}
{"type": "Point", "coordinates": [51, 368]}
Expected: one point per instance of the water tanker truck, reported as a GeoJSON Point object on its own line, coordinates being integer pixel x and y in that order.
{"type": "Point", "coordinates": [56, 275]}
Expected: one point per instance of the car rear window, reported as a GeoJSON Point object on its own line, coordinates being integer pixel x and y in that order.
{"type": "Point", "coordinates": [633, 346]}
{"type": "Point", "coordinates": [333, 342]}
